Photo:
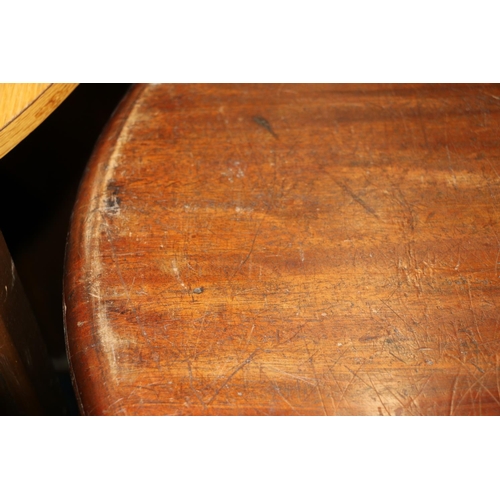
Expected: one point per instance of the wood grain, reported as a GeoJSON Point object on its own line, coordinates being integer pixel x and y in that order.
{"type": "Point", "coordinates": [290, 250]}
{"type": "Point", "coordinates": [23, 106]}
{"type": "Point", "coordinates": [28, 385]}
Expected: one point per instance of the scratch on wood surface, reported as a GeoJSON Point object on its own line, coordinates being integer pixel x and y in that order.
{"type": "Point", "coordinates": [399, 359]}
{"type": "Point", "coordinates": [318, 388]}
{"type": "Point", "coordinates": [13, 273]}
{"type": "Point", "coordinates": [357, 199]}
{"type": "Point", "coordinates": [243, 261]}
{"type": "Point", "coordinates": [344, 391]}
{"type": "Point", "coordinates": [291, 375]}
{"type": "Point", "coordinates": [401, 199]}
{"type": "Point", "coordinates": [477, 381]}
{"type": "Point", "coordinates": [473, 312]}
{"type": "Point", "coordinates": [262, 122]}
{"type": "Point", "coordinates": [405, 405]}
{"type": "Point", "coordinates": [372, 386]}
{"type": "Point", "coordinates": [250, 333]}
{"type": "Point", "coordinates": [200, 329]}
{"type": "Point", "coordinates": [493, 96]}
{"type": "Point", "coordinates": [377, 393]}
{"type": "Point", "coordinates": [277, 390]}
{"type": "Point", "coordinates": [497, 262]}
{"type": "Point", "coordinates": [232, 374]}
{"type": "Point", "coordinates": [422, 124]}
{"type": "Point", "coordinates": [497, 369]}
{"type": "Point", "coordinates": [414, 398]}
{"type": "Point", "coordinates": [453, 393]}
{"type": "Point", "coordinates": [194, 391]}
{"type": "Point", "coordinates": [122, 281]}
{"type": "Point", "coordinates": [177, 274]}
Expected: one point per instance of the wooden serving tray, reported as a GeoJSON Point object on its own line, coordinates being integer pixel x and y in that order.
{"type": "Point", "coordinates": [290, 250]}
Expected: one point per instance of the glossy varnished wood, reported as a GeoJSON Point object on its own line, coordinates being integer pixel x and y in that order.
{"type": "Point", "coordinates": [290, 249]}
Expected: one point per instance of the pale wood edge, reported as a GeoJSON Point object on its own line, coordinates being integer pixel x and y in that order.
{"type": "Point", "coordinates": [82, 340]}
{"type": "Point", "coordinates": [33, 115]}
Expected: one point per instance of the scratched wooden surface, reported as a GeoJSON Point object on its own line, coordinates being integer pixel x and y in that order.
{"type": "Point", "coordinates": [290, 250]}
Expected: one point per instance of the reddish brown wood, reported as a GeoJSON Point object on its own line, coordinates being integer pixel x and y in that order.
{"type": "Point", "coordinates": [28, 385]}
{"type": "Point", "coordinates": [290, 249]}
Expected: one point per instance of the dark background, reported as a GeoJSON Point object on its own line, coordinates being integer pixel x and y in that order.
{"type": "Point", "coordinates": [39, 181]}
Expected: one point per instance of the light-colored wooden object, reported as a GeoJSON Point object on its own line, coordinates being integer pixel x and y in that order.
{"type": "Point", "coordinates": [23, 106]}
{"type": "Point", "coordinates": [28, 385]}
